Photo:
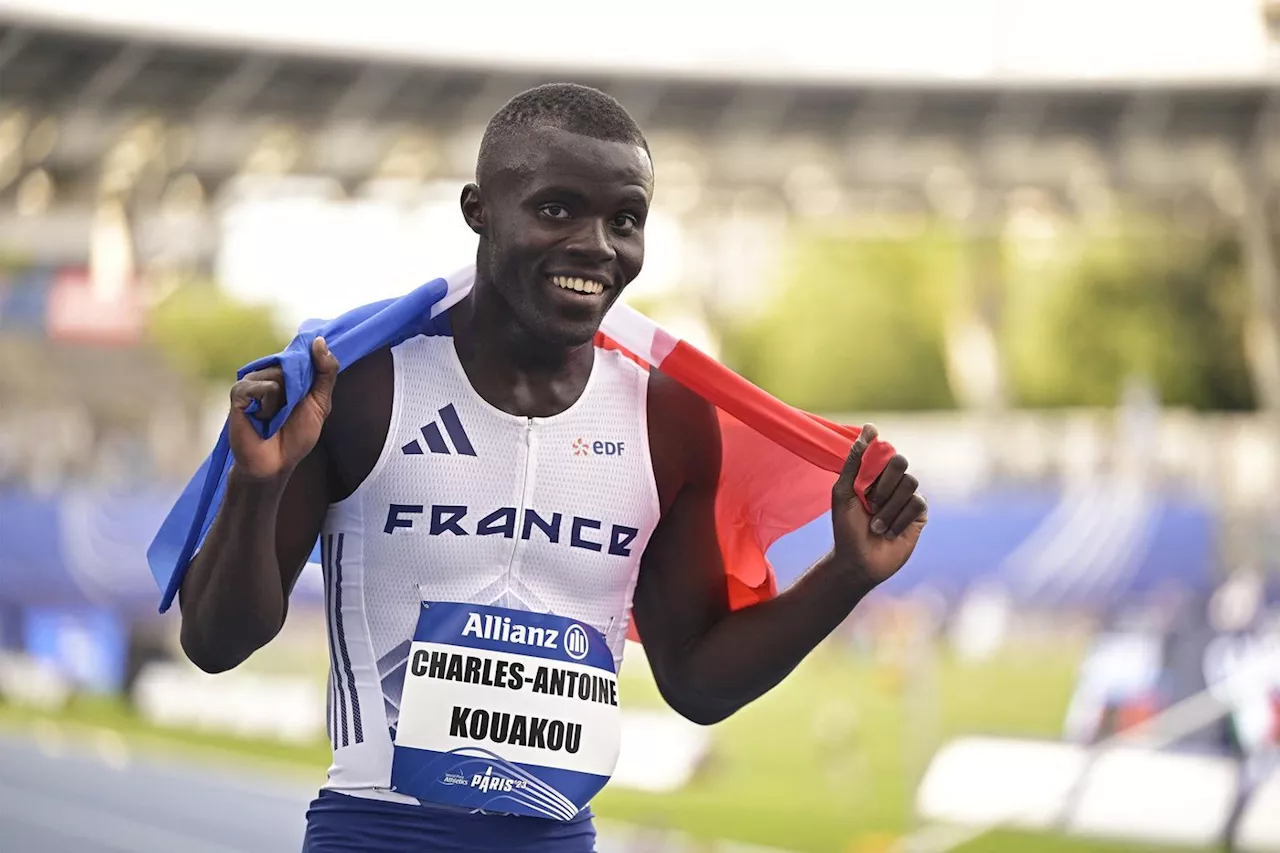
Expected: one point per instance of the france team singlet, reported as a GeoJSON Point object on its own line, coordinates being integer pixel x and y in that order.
{"type": "Point", "coordinates": [478, 586]}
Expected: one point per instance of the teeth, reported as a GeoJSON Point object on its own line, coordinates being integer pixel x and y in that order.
{"type": "Point", "coordinates": [581, 285]}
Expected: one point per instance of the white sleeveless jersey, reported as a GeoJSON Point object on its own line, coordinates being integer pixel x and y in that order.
{"type": "Point", "coordinates": [470, 504]}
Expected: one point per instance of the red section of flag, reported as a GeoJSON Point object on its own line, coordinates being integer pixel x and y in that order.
{"type": "Point", "coordinates": [778, 465]}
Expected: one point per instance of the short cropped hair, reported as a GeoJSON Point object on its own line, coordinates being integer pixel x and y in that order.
{"type": "Point", "coordinates": [564, 106]}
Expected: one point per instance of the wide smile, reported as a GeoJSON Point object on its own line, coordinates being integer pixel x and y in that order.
{"type": "Point", "coordinates": [579, 287]}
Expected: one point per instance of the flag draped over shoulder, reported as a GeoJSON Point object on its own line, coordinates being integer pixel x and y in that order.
{"type": "Point", "coordinates": [777, 468]}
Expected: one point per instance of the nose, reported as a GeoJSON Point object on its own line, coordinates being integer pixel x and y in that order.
{"type": "Point", "coordinates": [593, 241]}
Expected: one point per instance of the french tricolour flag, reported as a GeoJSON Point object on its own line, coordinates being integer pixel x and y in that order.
{"type": "Point", "coordinates": [778, 465]}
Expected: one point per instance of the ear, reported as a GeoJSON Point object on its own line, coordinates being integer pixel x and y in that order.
{"type": "Point", "coordinates": [473, 208]}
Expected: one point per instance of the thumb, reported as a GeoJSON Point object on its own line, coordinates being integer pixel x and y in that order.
{"type": "Point", "coordinates": [843, 492]}
{"type": "Point", "coordinates": [325, 365]}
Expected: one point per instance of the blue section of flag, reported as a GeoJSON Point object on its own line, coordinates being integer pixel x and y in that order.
{"type": "Point", "coordinates": [350, 337]}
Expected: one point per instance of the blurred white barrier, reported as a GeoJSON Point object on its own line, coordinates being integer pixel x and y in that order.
{"type": "Point", "coordinates": [1126, 793]}
{"type": "Point", "coordinates": [28, 681]}
{"type": "Point", "coordinates": [1259, 827]}
{"type": "Point", "coordinates": [1123, 778]}
{"type": "Point", "coordinates": [978, 781]}
{"type": "Point", "coordinates": [1141, 795]}
{"type": "Point", "coordinates": [289, 708]}
{"type": "Point", "coordinates": [660, 751]}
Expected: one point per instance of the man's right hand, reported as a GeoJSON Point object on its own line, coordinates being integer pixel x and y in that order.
{"type": "Point", "coordinates": [279, 455]}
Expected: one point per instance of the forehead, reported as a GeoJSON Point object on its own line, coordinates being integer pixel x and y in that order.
{"type": "Point", "coordinates": [549, 155]}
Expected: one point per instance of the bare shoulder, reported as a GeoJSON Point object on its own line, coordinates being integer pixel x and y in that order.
{"type": "Point", "coordinates": [684, 437]}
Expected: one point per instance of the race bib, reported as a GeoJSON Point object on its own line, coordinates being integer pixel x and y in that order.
{"type": "Point", "coordinates": [506, 711]}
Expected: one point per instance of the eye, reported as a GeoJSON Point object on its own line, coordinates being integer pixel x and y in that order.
{"type": "Point", "coordinates": [625, 223]}
{"type": "Point", "coordinates": [555, 211]}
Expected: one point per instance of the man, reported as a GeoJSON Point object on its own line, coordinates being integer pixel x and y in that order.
{"type": "Point", "coordinates": [479, 581]}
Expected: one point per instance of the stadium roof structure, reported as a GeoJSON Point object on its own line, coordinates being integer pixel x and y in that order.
{"type": "Point", "coordinates": [78, 97]}
{"type": "Point", "coordinates": [128, 100]}
{"type": "Point", "coordinates": [1006, 42]}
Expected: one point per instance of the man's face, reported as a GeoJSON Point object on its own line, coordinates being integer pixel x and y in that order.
{"type": "Point", "coordinates": [562, 229]}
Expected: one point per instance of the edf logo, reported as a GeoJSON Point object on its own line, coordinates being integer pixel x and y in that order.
{"type": "Point", "coordinates": [582, 447]}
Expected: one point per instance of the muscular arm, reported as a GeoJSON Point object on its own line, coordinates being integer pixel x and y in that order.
{"type": "Point", "coordinates": [709, 661]}
{"type": "Point", "coordinates": [235, 595]}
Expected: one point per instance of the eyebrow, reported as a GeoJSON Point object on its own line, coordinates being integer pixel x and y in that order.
{"type": "Point", "coordinates": [635, 195]}
{"type": "Point", "coordinates": [631, 195]}
{"type": "Point", "coordinates": [559, 190]}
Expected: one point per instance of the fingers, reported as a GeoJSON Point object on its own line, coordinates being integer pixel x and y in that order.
{"type": "Point", "coordinates": [325, 364]}
{"type": "Point", "coordinates": [261, 393]}
{"type": "Point", "coordinates": [269, 395]}
{"type": "Point", "coordinates": [886, 514]}
{"type": "Point", "coordinates": [274, 373]}
{"type": "Point", "coordinates": [916, 511]}
{"type": "Point", "coordinates": [883, 488]}
{"type": "Point", "coordinates": [843, 489]}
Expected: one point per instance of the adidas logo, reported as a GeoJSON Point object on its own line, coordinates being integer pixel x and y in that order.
{"type": "Point", "coordinates": [435, 441]}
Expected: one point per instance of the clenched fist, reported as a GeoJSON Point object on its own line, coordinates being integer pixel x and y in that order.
{"type": "Point", "coordinates": [876, 545]}
{"type": "Point", "coordinates": [264, 459]}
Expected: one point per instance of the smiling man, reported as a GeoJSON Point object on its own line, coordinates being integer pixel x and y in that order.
{"type": "Point", "coordinates": [481, 558]}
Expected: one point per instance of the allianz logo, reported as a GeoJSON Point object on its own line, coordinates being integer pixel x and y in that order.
{"type": "Point", "coordinates": [489, 627]}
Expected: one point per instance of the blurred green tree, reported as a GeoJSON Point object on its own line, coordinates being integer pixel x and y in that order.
{"type": "Point", "coordinates": [855, 324]}
{"type": "Point", "coordinates": [11, 260]}
{"type": "Point", "coordinates": [207, 335]}
{"type": "Point", "coordinates": [1149, 299]}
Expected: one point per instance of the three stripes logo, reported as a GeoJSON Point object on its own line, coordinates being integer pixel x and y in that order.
{"type": "Point", "coordinates": [435, 441]}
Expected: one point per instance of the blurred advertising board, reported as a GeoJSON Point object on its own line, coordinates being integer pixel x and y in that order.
{"type": "Point", "coordinates": [83, 311]}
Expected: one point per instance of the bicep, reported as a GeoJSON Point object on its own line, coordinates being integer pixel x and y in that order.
{"type": "Point", "coordinates": [681, 593]}
{"type": "Point", "coordinates": [681, 590]}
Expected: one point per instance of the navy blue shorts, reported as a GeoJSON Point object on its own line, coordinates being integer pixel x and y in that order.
{"type": "Point", "coordinates": [338, 823]}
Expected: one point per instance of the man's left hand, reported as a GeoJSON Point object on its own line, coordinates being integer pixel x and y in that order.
{"type": "Point", "coordinates": [878, 543]}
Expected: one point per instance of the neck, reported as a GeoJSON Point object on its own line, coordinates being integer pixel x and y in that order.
{"type": "Point", "coordinates": [507, 365]}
